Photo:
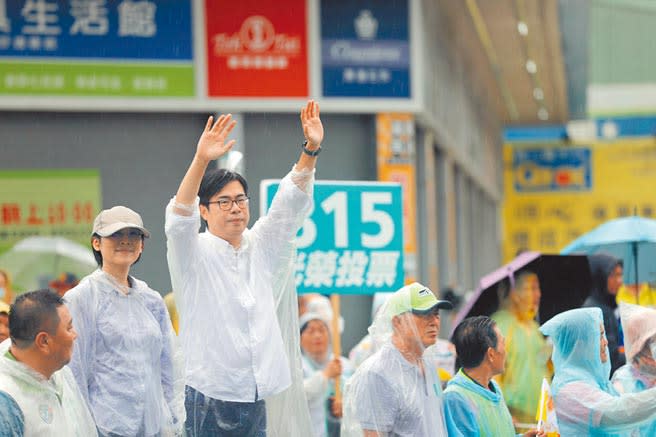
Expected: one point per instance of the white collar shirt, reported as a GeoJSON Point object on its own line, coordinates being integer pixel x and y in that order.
{"type": "Point", "coordinates": [229, 330]}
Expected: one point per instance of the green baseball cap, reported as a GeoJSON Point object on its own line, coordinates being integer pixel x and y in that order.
{"type": "Point", "coordinates": [416, 298]}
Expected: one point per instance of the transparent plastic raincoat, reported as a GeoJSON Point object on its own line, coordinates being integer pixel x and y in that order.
{"type": "Point", "coordinates": [125, 358]}
{"type": "Point", "coordinates": [586, 402]}
{"type": "Point", "coordinates": [365, 347]}
{"type": "Point", "coordinates": [318, 389]}
{"type": "Point", "coordinates": [392, 392]}
{"type": "Point", "coordinates": [49, 408]}
{"type": "Point", "coordinates": [247, 312]}
{"type": "Point", "coordinates": [639, 374]}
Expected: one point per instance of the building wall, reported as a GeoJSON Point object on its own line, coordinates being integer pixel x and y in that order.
{"type": "Point", "coordinates": [142, 158]}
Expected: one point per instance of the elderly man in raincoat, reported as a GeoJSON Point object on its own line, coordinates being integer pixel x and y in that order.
{"type": "Point", "coordinates": [586, 402]}
{"type": "Point", "coordinates": [397, 390]}
{"type": "Point", "coordinates": [639, 373]}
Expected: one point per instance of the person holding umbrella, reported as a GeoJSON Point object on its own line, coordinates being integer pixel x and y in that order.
{"type": "Point", "coordinates": [606, 272]}
{"type": "Point", "coordinates": [527, 351]}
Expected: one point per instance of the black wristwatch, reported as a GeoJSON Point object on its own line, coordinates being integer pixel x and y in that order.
{"type": "Point", "coordinates": [308, 151]}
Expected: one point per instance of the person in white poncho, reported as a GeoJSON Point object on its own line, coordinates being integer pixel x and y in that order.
{"type": "Point", "coordinates": [235, 292]}
{"type": "Point", "coordinates": [397, 391]}
{"type": "Point", "coordinates": [40, 396]}
{"type": "Point", "coordinates": [126, 361]}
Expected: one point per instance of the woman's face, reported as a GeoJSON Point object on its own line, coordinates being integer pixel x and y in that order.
{"type": "Point", "coordinates": [645, 360]}
{"type": "Point", "coordinates": [527, 296]}
{"type": "Point", "coordinates": [314, 339]}
{"type": "Point", "coordinates": [603, 344]}
{"type": "Point", "coordinates": [122, 248]}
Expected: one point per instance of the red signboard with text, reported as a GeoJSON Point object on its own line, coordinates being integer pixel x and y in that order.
{"type": "Point", "coordinates": [256, 48]}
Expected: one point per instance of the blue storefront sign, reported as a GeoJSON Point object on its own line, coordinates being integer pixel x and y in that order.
{"type": "Point", "coordinates": [552, 169]}
{"type": "Point", "coordinates": [99, 48]}
{"type": "Point", "coordinates": [352, 243]}
{"type": "Point", "coordinates": [99, 29]}
{"type": "Point", "coordinates": [365, 49]}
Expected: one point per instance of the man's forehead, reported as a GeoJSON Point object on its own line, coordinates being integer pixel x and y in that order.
{"type": "Point", "coordinates": [232, 188]}
{"type": "Point", "coordinates": [63, 313]}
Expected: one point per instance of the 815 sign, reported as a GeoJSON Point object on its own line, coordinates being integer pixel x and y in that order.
{"type": "Point", "coordinates": [352, 242]}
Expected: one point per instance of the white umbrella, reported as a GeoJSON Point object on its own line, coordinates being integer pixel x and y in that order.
{"type": "Point", "coordinates": [35, 260]}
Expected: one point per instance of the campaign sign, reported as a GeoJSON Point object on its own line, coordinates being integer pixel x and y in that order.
{"type": "Point", "coordinates": [365, 49]}
{"type": "Point", "coordinates": [352, 243]}
{"type": "Point", "coordinates": [102, 47]}
{"type": "Point", "coordinates": [256, 48]}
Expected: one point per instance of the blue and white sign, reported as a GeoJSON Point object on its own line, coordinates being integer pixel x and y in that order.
{"type": "Point", "coordinates": [552, 169]}
{"type": "Point", "coordinates": [352, 243]}
{"type": "Point", "coordinates": [365, 49]}
{"type": "Point", "coordinates": [121, 29]}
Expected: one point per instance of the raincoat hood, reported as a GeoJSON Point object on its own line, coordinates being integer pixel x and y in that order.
{"type": "Point", "coordinates": [601, 265]}
{"type": "Point", "coordinates": [576, 348]}
{"type": "Point", "coordinates": [639, 325]}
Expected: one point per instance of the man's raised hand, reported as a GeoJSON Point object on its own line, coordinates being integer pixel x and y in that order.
{"type": "Point", "coordinates": [212, 142]}
{"type": "Point", "coordinates": [312, 127]}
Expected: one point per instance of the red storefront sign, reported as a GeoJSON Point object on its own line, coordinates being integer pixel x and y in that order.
{"type": "Point", "coordinates": [256, 48]}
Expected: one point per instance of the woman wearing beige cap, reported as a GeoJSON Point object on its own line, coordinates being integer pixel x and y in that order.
{"type": "Point", "coordinates": [125, 360]}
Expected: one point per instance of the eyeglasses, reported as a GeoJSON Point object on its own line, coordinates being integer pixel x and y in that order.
{"type": "Point", "coordinates": [226, 204]}
{"type": "Point", "coordinates": [132, 234]}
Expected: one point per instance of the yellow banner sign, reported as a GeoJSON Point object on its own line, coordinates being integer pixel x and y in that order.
{"type": "Point", "coordinates": [553, 194]}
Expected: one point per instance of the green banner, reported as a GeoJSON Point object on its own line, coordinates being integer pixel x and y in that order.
{"type": "Point", "coordinates": [48, 203]}
{"type": "Point", "coordinates": [96, 79]}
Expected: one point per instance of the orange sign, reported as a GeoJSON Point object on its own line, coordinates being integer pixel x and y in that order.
{"type": "Point", "coordinates": [395, 142]}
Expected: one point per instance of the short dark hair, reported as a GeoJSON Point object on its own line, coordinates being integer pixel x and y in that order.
{"type": "Point", "coordinates": [214, 181]}
{"type": "Point", "coordinates": [32, 313]}
{"type": "Point", "coordinates": [98, 256]}
{"type": "Point", "coordinates": [472, 338]}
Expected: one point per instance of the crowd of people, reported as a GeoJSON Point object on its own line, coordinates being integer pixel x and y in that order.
{"type": "Point", "coordinates": [241, 356]}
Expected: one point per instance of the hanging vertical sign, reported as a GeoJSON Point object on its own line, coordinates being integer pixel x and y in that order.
{"type": "Point", "coordinates": [256, 48]}
{"type": "Point", "coordinates": [395, 141]}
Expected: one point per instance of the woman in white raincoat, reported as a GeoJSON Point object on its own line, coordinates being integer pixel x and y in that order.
{"type": "Point", "coordinates": [125, 360]}
{"type": "Point", "coordinates": [320, 368]}
{"type": "Point", "coordinates": [639, 373]}
{"type": "Point", "coordinates": [586, 402]}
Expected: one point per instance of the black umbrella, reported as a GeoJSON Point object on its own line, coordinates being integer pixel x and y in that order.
{"type": "Point", "coordinates": [564, 281]}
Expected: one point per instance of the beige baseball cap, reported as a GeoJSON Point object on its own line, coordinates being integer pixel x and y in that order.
{"type": "Point", "coordinates": [117, 218]}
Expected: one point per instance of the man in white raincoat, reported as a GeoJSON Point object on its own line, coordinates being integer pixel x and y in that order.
{"type": "Point", "coordinates": [397, 391]}
{"type": "Point", "coordinates": [235, 293]}
{"type": "Point", "coordinates": [32, 369]}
